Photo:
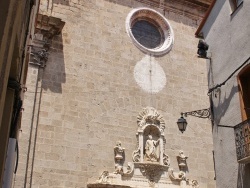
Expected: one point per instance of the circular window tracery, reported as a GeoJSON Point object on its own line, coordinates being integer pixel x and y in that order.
{"type": "Point", "coordinates": [147, 33]}
{"type": "Point", "coordinates": [150, 31]}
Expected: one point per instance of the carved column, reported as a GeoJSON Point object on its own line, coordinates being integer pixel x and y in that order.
{"type": "Point", "coordinates": [141, 146]}
{"type": "Point", "coordinates": [161, 149]}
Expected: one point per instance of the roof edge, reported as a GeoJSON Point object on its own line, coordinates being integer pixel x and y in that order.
{"type": "Point", "coordinates": [197, 33]}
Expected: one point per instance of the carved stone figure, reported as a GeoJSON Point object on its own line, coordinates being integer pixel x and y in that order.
{"type": "Point", "coordinates": [195, 184]}
{"type": "Point", "coordinates": [151, 150]}
{"type": "Point", "coordinates": [181, 158]}
{"type": "Point", "coordinates": [119, 156]}
{"type": "Point", "coordinates": [119, 151]}
{"type": "Point", "coordinates": [118, 169]}
{"type": "Point", "coordinates": [179, 176]}
{"type": "Point", "coordinates": [104, 177]}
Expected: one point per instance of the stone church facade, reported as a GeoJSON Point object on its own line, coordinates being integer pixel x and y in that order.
{"type": "Point", "coordinates": [107, 81]}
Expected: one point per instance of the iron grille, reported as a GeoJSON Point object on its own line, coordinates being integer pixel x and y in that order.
{"type": "Point", "coordinates": [242, 141]}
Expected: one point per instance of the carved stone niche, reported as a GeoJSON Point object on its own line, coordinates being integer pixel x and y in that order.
{"type": "Point", "coordinates": [150, 155]}
{"type": "Point", "coordinates": [150, 138]}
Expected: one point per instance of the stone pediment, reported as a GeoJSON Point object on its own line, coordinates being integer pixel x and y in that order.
{"type": "Point", "coordinates": [150, 116]}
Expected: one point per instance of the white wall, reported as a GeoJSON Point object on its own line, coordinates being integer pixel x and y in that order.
{"type": "Point", "coordinates": [227, 34]}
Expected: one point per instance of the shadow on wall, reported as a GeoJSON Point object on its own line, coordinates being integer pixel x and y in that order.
{"type": "Point", "coordinates": [222, 108]}
{"type": "Point", "coordinates": [54, 74]}
{"type": "Point", "coordinates": [243, 176]}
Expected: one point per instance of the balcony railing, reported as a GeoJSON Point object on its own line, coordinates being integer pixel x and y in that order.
{"type": "Point", "coordinates": [242, 141]}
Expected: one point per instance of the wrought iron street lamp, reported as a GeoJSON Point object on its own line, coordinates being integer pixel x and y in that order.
{"type": "Point", "coordinates": [182, 122]}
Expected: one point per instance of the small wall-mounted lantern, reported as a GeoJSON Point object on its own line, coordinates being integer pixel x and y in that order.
{"type": "Point", "coordinates": [182, 122]}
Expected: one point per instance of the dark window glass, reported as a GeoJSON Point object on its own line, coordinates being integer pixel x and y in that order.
{"type": "Point", "coordinates": [147, 34]}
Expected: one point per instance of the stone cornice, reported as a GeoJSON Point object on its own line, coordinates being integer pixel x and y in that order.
{"type": "Point", "coordinates": [193, 9]}
{"type": "Point", "coordinates": [48, 26]}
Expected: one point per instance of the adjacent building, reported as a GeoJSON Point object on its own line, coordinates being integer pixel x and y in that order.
{"type": "Point", "coordinates": [226, 30]}
{"type": "Point", "coordinates": [17, 20]}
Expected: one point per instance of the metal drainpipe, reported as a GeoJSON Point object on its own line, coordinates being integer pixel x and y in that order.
{"type": "Point", "coordinates": [31, 130]}
{"type": "Point", "coordinates": [37, 121]}
{"type": "Point", "coordinates": [31, 127]}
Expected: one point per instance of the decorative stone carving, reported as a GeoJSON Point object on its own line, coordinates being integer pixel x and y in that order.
{"type": "Point", "coordinates": [194, 183]}
{"type": "Point", "coordinates": [136, 155]}
{"type": "Point", "coordinates": [152, 152]}
{"type": "Point", "coordinates": [104, 178]}
{"type": "Point", "coordinates": [152, 171]}
{"type": "Point", "coordinates": [150, 138]}
{"type": "Point", "coordinates": [129, 170]}
{"type": "Point", "coordinates": [150, 164]}
{"type": "Point", "coordinates": [181, 158]}
{"type": "Point", "coordinates": [150, 157]}
{"type": "Point", "coordinates": [119, 152]}
{"type": "Point", "coordinates": [119, 158]}
{"type": "Point", "coordinates": [179, 176]}
{"type": "Point", "coordinates": [39, 56]}
{"type": "Point", "coordinates": [149, 115]}
{"type": "Point", "coordinates": [166, 160]}
{"type": "Point", "coordinates": [46, 28]}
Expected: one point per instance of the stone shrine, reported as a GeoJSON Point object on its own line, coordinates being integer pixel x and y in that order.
{"type": "Point", "coordinates": [150, 166]}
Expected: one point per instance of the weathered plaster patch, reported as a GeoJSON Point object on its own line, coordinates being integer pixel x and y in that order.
{"type": "Point", "coordinates": [149, 75]}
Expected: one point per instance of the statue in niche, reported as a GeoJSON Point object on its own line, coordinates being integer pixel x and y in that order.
{"type": "Point", "coordinates": [152, 150]}
{"type": "Point", "coordinates": [119, 158]}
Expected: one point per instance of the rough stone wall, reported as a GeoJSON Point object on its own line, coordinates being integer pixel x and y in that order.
{"type": "Point", "coordinates": [90, 97]}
